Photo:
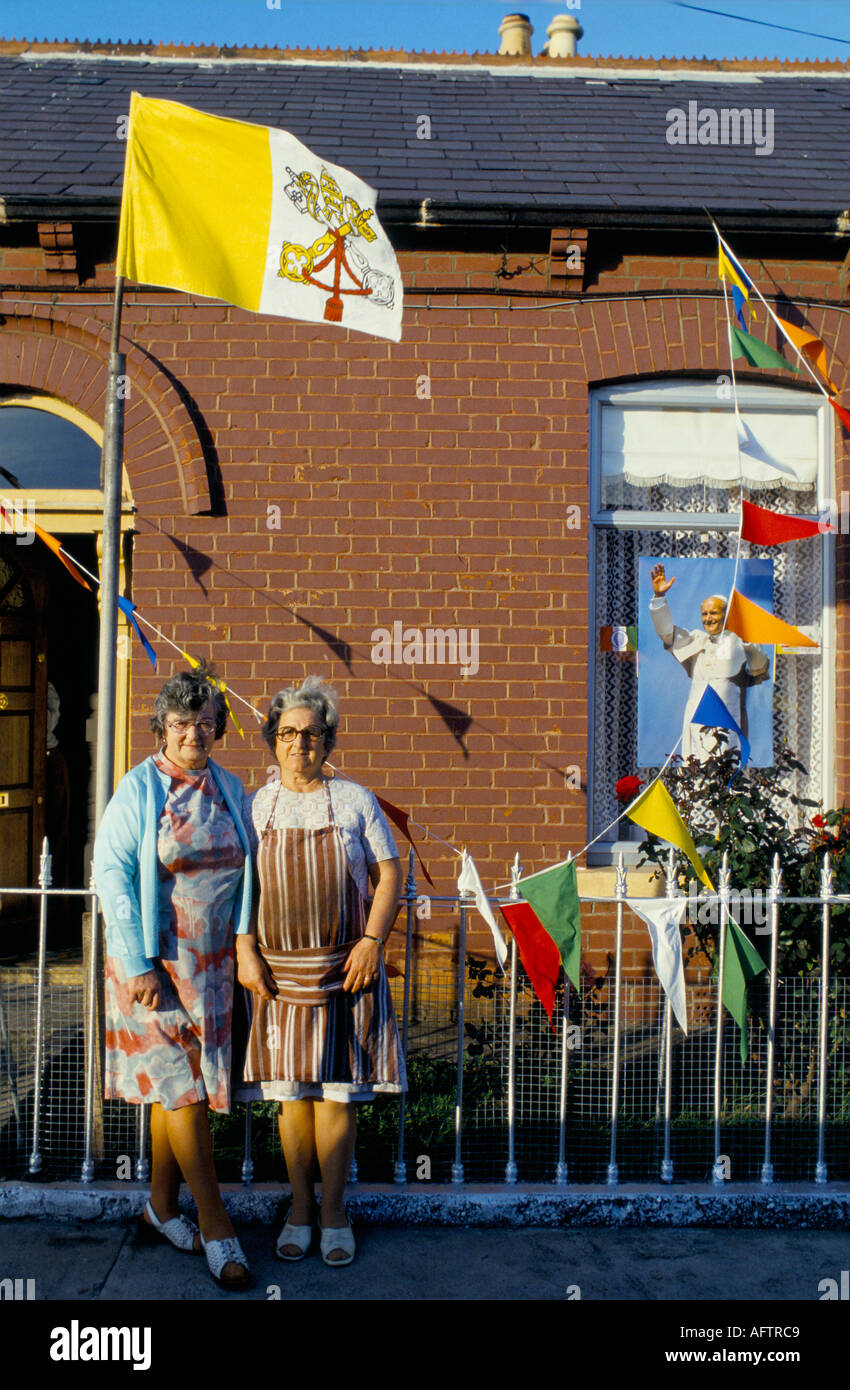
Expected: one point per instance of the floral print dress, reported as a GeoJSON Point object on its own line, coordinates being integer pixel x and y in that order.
{"type": "Point", "coordinates": [179, 1053]}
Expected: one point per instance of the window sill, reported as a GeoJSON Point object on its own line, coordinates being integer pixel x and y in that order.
{"type": "Point", "coordinates": [601, 882]}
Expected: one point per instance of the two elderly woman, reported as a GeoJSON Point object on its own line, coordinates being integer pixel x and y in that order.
{"type": "Point", "coordinates": [173, 867]}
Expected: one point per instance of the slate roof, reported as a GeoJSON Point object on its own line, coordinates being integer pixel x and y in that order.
{"type": "Point", "coordinates": [505, 146]}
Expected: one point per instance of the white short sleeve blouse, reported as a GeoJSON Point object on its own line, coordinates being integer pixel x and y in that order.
{"type": "Point", "coordinates": [365, 833]}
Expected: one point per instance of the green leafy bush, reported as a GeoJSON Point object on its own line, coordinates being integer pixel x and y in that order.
{"type": "Point", "coordinates": [749, 822]}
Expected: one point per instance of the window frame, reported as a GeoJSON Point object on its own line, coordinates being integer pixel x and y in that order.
{"type": "Point", "coordinates": [695, 392]}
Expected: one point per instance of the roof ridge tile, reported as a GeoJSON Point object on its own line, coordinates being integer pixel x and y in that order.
{"type": "Point", "coordinates": [541, 62]}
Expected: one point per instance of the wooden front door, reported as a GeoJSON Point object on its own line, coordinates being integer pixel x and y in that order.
{"type": "Point", "coordinates": [23, 725]}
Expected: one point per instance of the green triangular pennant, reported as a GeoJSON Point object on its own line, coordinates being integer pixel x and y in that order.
{"type": "Point", "coordinates": [554, 896]}
{"type": "Point", "coordinates": [757, 353]}
{"type": "Point", "coordinates": [741, 964]}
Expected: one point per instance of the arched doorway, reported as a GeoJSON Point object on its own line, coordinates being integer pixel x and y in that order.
{"type": "Point", "coordinates": [49, 474]}
{"type": "Point", "coordinates": [23, 710]}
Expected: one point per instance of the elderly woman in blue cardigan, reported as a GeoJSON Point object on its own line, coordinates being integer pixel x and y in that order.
{"type": "Point", "coordinates": [172, 864]}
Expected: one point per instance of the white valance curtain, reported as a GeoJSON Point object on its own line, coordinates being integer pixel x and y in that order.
{"type": "Point", "coordinates": [652, 445]}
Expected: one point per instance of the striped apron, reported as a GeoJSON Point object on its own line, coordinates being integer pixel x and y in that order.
{"type": "Point", "coordinates": [314, 1032]}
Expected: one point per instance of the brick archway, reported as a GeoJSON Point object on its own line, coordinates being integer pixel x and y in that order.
{"type": "Point", "coordinates": [644, 337]}
{"type": "Point", "coordinates": [51, 350]}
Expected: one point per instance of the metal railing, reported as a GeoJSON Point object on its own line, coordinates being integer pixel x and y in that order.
{"type": "Point", "coordinates": [618, 1077]}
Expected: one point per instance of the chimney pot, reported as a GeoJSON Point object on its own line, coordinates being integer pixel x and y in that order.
{"type": "Point", "coordinates": [515, 32]}
{"type": "Point", "coordinates": [564, 33]}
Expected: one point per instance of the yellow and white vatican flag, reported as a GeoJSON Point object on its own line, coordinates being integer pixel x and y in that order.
{"type": "Point", "coordinates": [248, 214]}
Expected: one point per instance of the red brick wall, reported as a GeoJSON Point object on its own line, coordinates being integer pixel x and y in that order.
{"type": "Point", "coordinates": [440, 512]}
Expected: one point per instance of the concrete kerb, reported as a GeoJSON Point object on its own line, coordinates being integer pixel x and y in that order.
{"type": "Point", "coordinates": [787, 1206]}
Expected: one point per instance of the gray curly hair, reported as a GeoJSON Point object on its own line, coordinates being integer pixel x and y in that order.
{"type": "Point", "coordinates": [312, 694]}
{"type": "Point", "coordinates": [185, 693]}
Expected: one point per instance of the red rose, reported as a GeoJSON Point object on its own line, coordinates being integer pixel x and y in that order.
{"type": "Point", "coordinates": [627, 788]}
{"type": "Point", "coordinates": [818, 822]}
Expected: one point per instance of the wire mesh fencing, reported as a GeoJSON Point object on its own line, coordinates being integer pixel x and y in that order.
{"type": "Point", "coordinates": [55, 1148]}
{"type": "Point", "coordinates": [611, 1091]}
{"type": "Point", "coordinates": [431, 1100]}
{"type": "Point", "coordinates": [544, 1062]}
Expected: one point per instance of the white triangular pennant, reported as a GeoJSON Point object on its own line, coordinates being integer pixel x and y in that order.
{"type": "Point", "coordinates": [663, 917]}
{"type": "Point", "coordinates": [469, 882]}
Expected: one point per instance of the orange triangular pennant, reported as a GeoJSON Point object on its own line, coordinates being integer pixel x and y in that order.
{"type": "Point", "coordinates": [56, 546]}
{"type": "Point", "coordinates": [755, 624]}
{"type": "Point", "coordinates": [809, 343]}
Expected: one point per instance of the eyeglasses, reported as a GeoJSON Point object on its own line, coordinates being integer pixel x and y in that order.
{"type": "Point", "coordinates": [288, 735]}
{"type": "Point", "coordinates": [182, 726]}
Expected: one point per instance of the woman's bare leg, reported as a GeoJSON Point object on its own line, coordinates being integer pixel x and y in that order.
{"type": "Point", "coordinates": [296, 1125]}
{"type": "Point", "coordinates": [165, 1170]}
{"type": "Point", "coordinates": [188, 1131]}
{"type": "Point", "coordinates": [336, 1131]}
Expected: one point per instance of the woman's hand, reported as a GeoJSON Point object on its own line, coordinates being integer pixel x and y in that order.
{"type": "Point", "coordinates": [361, 968]}
{"type": "Point", "coordinates": [252, 971]}
{"type": "Point", "coordinates": [146, 989]}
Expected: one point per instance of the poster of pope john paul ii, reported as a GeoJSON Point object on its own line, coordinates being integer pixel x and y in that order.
{"type": "Point", "coordinates": [683, 647]}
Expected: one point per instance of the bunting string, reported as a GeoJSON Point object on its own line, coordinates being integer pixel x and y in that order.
{"type": "Point", "coordinates": [135, 617]}
{"type": "Point", "coordinates": [737, 444]}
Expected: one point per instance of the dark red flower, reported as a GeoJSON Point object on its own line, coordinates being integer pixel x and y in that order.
{"type": "Point", "coordinates": [627, 788]}
{"type": "Point", "coordinates": [818, 822]}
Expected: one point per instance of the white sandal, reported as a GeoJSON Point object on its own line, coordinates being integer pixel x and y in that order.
{"type": "Point", "coordinates": [337, 1238]}
{"type": "Point", "coordinates": [179, 1231]}
{"type": "Point", "coordinates": [223, 1252]}
{"type": "Point", "coordinates": [299, 1236]}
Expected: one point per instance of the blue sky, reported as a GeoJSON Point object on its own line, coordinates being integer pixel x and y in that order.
{"type": "Point", "coordinates": [651, 28]}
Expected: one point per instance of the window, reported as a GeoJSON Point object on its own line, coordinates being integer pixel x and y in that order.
{"type": "Point", "coordinates": [664, 482]}
{"type": "Point", "coordinates": [41, 449]}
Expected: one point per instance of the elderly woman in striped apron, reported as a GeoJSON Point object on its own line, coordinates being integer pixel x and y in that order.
{"type": "Point", "coordinates": [323, 1030]}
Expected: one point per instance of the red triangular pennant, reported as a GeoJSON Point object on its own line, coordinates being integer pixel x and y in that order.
{"type": "Point", "coordinates": [401, 818]}
{"type": "Point", "coordinates": [843, 415]}
{"type": "Point", "coordinates": [540, 956]}
{"type": "Point", "coordinates": [762, 527]}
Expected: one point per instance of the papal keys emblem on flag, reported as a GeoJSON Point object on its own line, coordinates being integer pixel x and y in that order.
{"type": "Point", "coordinates": [335, 250]}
